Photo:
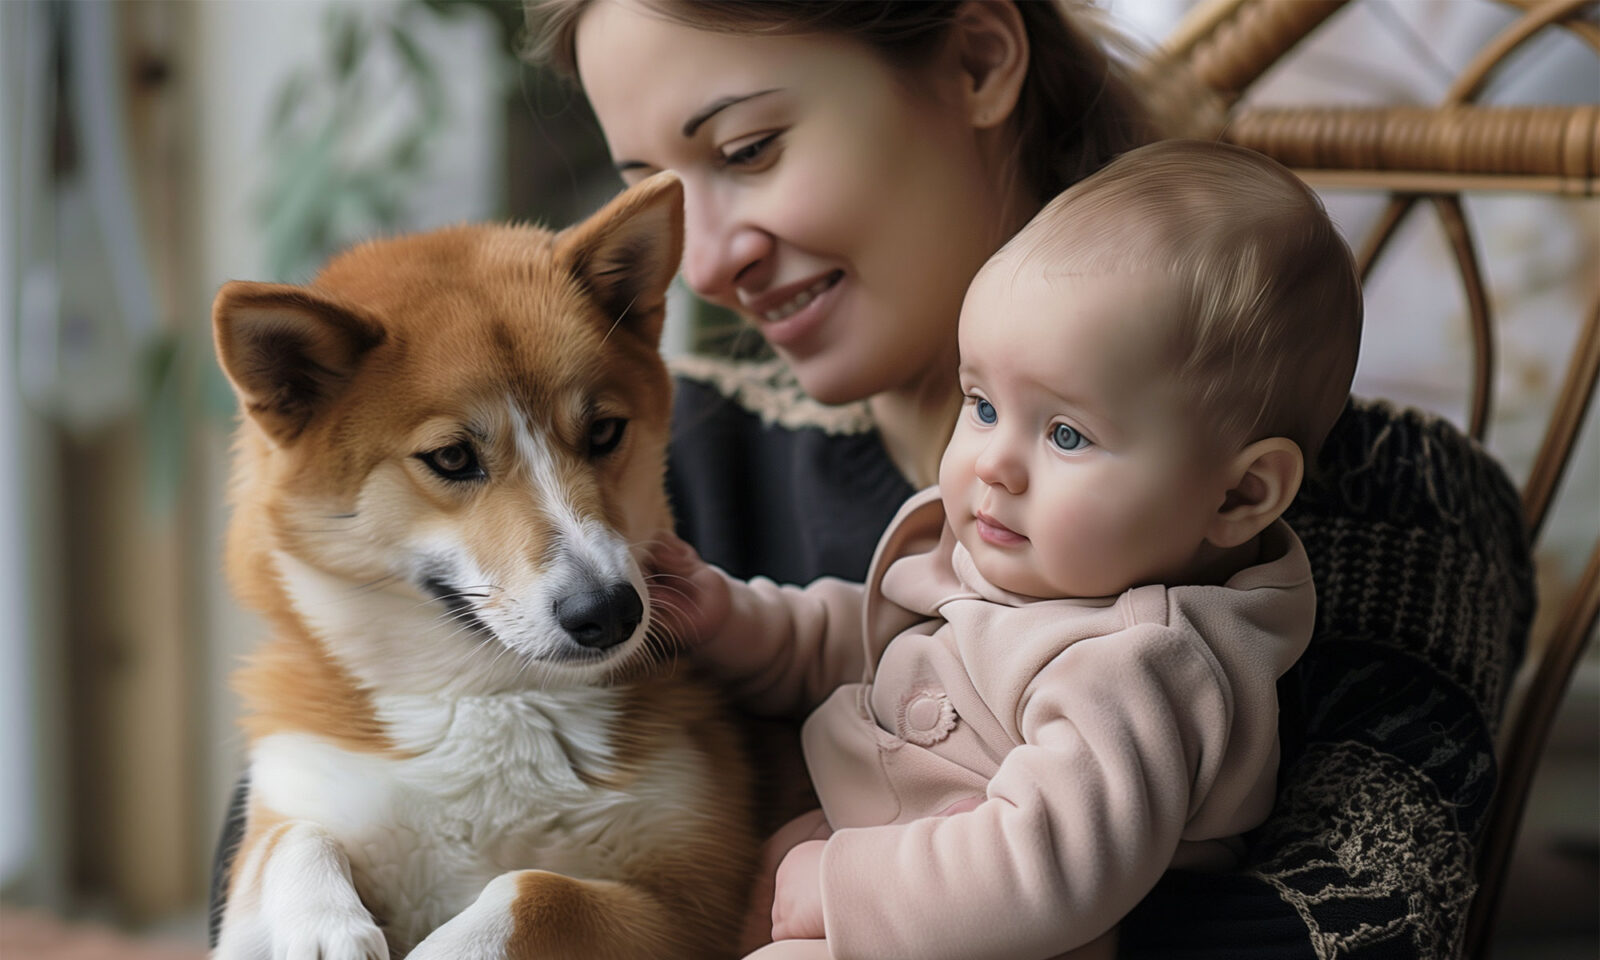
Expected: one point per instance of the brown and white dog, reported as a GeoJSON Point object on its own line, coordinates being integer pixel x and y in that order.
{"type": "Point", "coordinates": [465, 740]}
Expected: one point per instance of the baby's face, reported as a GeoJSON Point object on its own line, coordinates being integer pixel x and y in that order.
{"type": "Point", "coordinates": [1077, 467]}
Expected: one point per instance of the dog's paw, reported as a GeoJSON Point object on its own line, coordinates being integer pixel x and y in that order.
{"type": "Point", "coordinates": [480, 932]}
{"type": "Point", "coordinates": [330, 935]}
{"type": "Point", "coordinates": [463, 940]}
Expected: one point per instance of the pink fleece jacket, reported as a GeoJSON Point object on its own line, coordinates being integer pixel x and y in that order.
{"type": "Point", "coordinates": [1090, 744]}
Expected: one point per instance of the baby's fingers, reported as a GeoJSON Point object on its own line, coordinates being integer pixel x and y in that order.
{"type": "Point", "coordinates": [670, 554]}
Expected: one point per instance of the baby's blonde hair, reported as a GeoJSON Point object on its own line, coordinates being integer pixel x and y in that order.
{"type": "Point", "coordinates": [1268, 341]}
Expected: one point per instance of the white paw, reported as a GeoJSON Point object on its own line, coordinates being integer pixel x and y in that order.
{"type": "Point", "coordinates": [330, 935]}
{"type": "Point", "coordinates": [480, 932]}
{"type": "Point", "coordinates": [305, 908]}
{"type": "Point", "coordinates": [455, 941]}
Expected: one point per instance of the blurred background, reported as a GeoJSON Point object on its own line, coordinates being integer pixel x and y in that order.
{"type": "Point", "coordinates": [150, 150]}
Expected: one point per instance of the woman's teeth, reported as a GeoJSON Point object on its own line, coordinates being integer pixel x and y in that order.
{"type": "Point", "coordinates": [802, 298]}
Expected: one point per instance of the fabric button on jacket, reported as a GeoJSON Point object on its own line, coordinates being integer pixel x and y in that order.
{"type": "Point", "coordinates": [926, 718]}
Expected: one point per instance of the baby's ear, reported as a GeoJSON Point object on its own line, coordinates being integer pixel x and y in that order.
{"type": "Point", "coordinates": [1267, 475]}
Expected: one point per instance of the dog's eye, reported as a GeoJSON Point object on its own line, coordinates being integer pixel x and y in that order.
{"type": "Point", "coordinates": [458, 461]}
{"type": "Point", "coordinates": [605, 434]}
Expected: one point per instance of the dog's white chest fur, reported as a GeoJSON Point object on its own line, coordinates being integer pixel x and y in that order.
{"type": "Point", "coordinates": [492, 784]}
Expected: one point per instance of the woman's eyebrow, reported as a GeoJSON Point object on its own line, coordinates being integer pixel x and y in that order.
{"type": "Point", "coordinates": [717, 106]}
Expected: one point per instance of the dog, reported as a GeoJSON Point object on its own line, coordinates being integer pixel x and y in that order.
{"type": "Point", "coordinates": [466, 740]}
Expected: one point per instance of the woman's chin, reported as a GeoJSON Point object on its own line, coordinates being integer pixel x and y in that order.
{"type": "Point", "coordinates": [828, 381]}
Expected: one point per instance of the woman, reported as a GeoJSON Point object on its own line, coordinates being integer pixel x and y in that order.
{"type": "Point", "coordinates": [847, 167]}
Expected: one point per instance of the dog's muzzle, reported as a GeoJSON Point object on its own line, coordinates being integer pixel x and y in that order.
{"type": "Point", "coordinates": [601, 618]}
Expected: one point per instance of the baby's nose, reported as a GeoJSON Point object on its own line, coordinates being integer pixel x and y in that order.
{"type": "Point", "coordinates": [1000, 466]}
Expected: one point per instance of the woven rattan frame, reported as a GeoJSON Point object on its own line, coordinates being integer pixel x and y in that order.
{"type": "Point", "coordinates": [1434, 154]}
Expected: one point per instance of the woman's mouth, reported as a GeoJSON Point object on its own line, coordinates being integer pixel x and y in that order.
{"type": "Point", "coordinates": [995, 533]}
{"type": "Point", "coordinates": [790, 307]}
{"type": "Point", "coordinates": [796, 316]}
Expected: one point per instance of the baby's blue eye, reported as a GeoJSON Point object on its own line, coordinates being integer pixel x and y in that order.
{"type": "Point", "coordinates": [985, 411]}
{"type": "Point", "coordinates": [1066, 438]}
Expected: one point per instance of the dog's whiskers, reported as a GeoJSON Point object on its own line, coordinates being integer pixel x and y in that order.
{"type": "Point", "coordinates": [465, 618]}
{"type": "Point", "coordinates": [351, 595]}
{"type": "Point", "coordinates": [665, 576]}
{"type": "Point", "coordinates": [458, 595]}
{"type": "Point", "coordinates": [618, 322]}
{"type": "Point", "coordinates": [671, 588]}
{"type": "Point", "coordinates": [463, 629]}
{"type": "Point", "coordinates": [665, 613]}
{"type": "Point", "coordinates": [659, 649]}
{"type": "Point", "coordinates": [337, 527]}
{"type": "Point", "coordinates": [375, 584]}
{"type": "Point", "coordinates": [499, 654]}
{"type": "Point", "coordinates": [480, 591]}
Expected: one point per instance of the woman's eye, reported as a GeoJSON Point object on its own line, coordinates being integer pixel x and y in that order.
{"type": "Point", "coordinates": [458, 461]}
{"type": "Point", "coordinates": [1066, 438]}
{"type": "Point", "coordinates": [605, 434]}
{"type": "Point", "coordinates": [746, 152]}
{"type": "Point", "coordinates": [985, 411]}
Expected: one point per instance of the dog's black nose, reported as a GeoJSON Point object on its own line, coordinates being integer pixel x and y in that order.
{"type": "Point", "coordinates": [601, 618]}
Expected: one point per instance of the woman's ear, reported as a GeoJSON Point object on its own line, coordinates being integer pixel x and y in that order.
{"type": "Point", "coordinates": [1266, 476]}
{"type": "Point", "coordinates": [992, 46]}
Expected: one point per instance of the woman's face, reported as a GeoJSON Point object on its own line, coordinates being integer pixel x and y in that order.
{"type": "Point", "coordinates": [839, 204]}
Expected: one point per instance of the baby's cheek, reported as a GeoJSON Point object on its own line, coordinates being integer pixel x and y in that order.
{"type": "Point", "coordinates": [956, 469]}
{"type": "Point", "coordinates": [1080, 540]}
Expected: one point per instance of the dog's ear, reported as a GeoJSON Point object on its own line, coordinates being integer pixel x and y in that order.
{"type": "Point", "coordinates": [287, 351]}
{"type": "Point", "coordinates": [627, 253]}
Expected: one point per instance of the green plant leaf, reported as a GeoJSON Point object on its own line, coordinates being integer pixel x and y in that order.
{"type": "Point", "coordinates": [290, 96]}
{"type": "Point", "coordinates": [349, 43]}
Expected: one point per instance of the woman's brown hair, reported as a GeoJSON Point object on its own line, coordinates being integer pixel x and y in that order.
{"type": "Point", "coordinates": [1078, 107]}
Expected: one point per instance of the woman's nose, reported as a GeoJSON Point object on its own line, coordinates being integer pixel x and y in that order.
{"type": "Point", "coordinates": [722, 251]}
{"type": "Point", "coordinates": [1000, 464]}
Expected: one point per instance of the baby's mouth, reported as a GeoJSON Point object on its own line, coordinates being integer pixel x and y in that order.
{"type": "Point", "coordinates": [994, 532]}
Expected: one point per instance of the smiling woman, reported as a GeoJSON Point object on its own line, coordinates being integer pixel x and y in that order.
{"type": "Point", "coordinates": [810, 166]}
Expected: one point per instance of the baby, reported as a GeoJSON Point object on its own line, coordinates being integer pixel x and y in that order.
{"type": "Point", "coordinates": [1059, 680]}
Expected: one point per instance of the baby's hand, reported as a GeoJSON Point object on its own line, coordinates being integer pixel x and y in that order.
{"type": "Point", "coordinates": [797, 902]}
{"type": "Point", "coordinates": [686, 593]}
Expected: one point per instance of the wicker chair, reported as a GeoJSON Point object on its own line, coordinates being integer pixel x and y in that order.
{"type": "Point", "coordinates": [1432, 156]}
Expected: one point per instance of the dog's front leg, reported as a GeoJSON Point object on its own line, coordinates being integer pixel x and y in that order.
{"type": "Point", "coordinates": [538, 915]}
{"type": "Point", "coordinates": [293, 899]}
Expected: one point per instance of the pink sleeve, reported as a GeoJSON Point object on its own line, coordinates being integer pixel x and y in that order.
{"type": "Point", "coordinates": [784, 649]}
{"type": "Point", "coordinates": [1078, 824]}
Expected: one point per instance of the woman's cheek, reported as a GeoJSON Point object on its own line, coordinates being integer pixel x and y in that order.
{"type": "Point", "coordinates": [829, 209]}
